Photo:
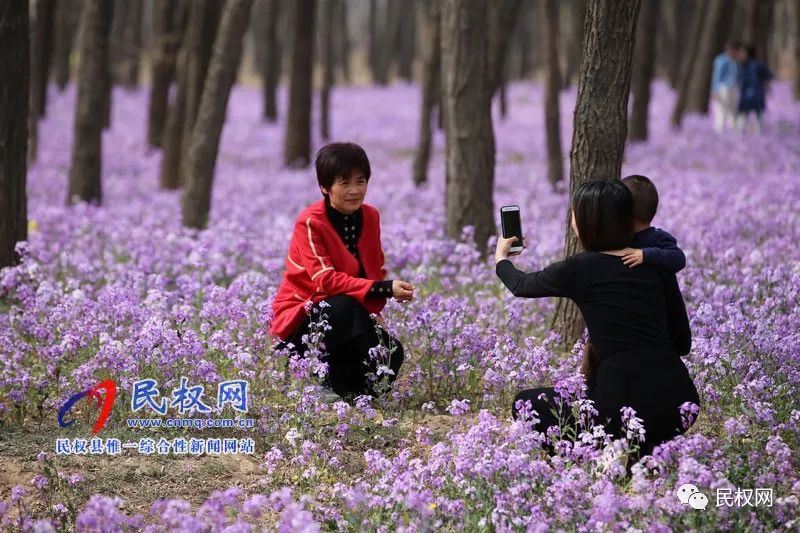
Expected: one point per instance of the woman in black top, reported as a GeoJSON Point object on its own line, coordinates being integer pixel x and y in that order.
{"type": "Point", "coordinates": [635, 316]}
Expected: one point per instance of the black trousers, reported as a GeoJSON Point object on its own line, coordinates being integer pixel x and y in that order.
{"type": "Point", "coordinates": [652, 380]}
{"type": "Point", "coordinates": [352, 371]}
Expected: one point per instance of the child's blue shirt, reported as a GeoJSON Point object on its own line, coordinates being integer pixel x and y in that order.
{"type": "Point", "coordinates": [659, 249]}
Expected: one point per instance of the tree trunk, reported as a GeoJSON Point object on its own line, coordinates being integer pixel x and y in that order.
{"type": "Point", "coordinates": [41, 48]}
{"type": "Point", "coordinates": [405, 47]}
{"type": "Point", "coordinates": [503, 17]}
{"type": "Point", "coordinates": [173, 131]}
{"type": "Point", "coordinates": [687, 65]}
{"type": "Point", "coordinates": [64, 36]}
{"type": "Point", "coordinates": [797, 49]}
{"type": "Point", "coordinates": [574, 41]}
{"type": "Point", "coordinates": [389, 40]}
{"type": "Point", "coordinates": [14, 114]}
{"type": "Point", "coordinates": [468, 120]}
{"type": "Point", "coordinates": [681, 16]}
{"type": "Point", "coordinates": [643, 63]}
{"type": "Point", "coordinates": [203, 22]}
{"type": "Point", "coordinates": [342, 39]}
{"type": "Point", "coordinates": [297, 147]}
{"type": "Point", "coordinates": [376, 40]}
{"type": "Point", "coordinates": [327, 8]}
{"type": "Point", "coordinates": [716, 25]}
{"type": "Point", "coordinates": [272, 60]}
{"type": "Point", "coordinates": [168, 25]}
{"type": "Point", "coordinates": [130, 41]}
{"type": "Point", "coordinates": [430, 50]}
{"type": "Point", "coordinates": [552, 118]}
{"type": "Point", "coordinates": [85, 173]}
{"type": "Point", "coordinates": [204, 145]}
{"type": "Point", "coordinates": [758, 31]}
{"type": "Point", "coordinates": [598, 140]}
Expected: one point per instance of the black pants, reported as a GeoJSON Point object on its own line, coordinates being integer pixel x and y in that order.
{"type": "Point", "coordinates": [351, 369]}
{"type": "Point", "coordinates": [653, 381]}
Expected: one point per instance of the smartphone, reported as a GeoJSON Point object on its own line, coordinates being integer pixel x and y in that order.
{"type": "Point", "coordinates": [512, 227]}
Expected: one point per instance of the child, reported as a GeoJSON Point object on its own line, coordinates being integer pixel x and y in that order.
{"type": "Point", "coordinates": [651, 246]}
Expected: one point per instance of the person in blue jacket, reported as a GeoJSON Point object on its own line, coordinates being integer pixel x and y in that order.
{"type": "Point", "coordinates": [755, 76]}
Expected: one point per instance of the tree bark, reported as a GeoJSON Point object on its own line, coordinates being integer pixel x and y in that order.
{"type": "Point", "coordinates": [64, 36]}
{"type": "Point", "coordinates": [797, 49]}
{"type": "Point", "coordinates": [376, 39]}
{"type": "Point", "coordinates": [687, 65]}
{"type": "Point", "coordinates": [643, 62]}
{"type": "Point", "coordinates": [574, 41]}
{"type": "Point", "coordinates": [14, 113]}
{"type": "Point", "coordinates": [327, 8]}
{"type": "Point", "coordinates": [126, 41]}
{"type": "Point", "coordinates": [405, 48]}
{"type": "Point", "coordinates": [552, 118]}
{"type": "Point", "coordinates": [41, 48]}
{"type": "Point", "coordinates": [681, 16]}
{"type": "Point", "coordinates": [468, 121]}
{"type": "Point", "coordinates": [297, 143]}
{"type": "Point", "coordinates": [204, 146]}
{"type": "Point", "coordinates": [758, 30]}
{"type": "Point", "coordinates": [718, 18]}
{"type": "Point", "coordinates": [272, 58]}
{"type": "Point", "coordinates": [598, 140]}
{"type": "Point", "coordinates": [200, 35]}
{"type": "Point", "coordinates": [86, 170]}
{"type": "Point", "coordinates": [342, 38]}
{"type": "Point", "coordinates": [168, 25]}
{"type": "Point", "coordinates": [503, 16]}
{"type": "Point", "coordinates": [430, 49]}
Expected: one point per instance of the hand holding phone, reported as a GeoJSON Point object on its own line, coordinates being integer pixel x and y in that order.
{"type": "Point", "coordinates": [512, 227]}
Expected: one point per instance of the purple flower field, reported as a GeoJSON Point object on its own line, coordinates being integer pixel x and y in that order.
{"type": "Point", "coordinates": [124, 292]}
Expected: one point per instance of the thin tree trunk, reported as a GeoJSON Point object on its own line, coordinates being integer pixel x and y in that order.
{"type": "Point", "coordinates": [555, 163]}
{"type": "Point", "coordinates": [86, 170]}
{"type": "Point", "coordinates": [41, 51]}
{"type": "Point", "coordinates": [342, 38]}
{"type": "Point", "coordinates": [204, 146]}
{"type": "Point", "coordinates": [203, 22]}
{"type": "Point", "coordinates": [468, 121]}
{"type": "Point", "coordinates": [173, 131]}
{"type": "Point", "coordinates": [297, 147]}
{"type": "Point", "coordinates": [503, 17]}
{"type": "Point", "coordinates": [577, 10]}
{"type": "Point", "coordinates": [168, 26]}
{"type": "Point", "coordinates": [405, 48]}
{"type": "Point", "coordinates": [430, 49]}
{"type": "Point", "coordinates": [272, 58]}
{"type": "Point", "coordinates": [598, 140]}
{"type": "Point", "coordinates": [681, 16]}
{"type": "Point", "coordinates": [327, 8]}
{"type": "Point", "coordinates": [797, 49]}
{"type": "Point", "coordinates": [14, 115]}
{"type": "Point", "coordinates": [758, 31]}
{"type": "Point", "coordinates": [388, 40]}
{"type": "Point", "coordinates": [716, 26]}
{"type": "Point", "coordinates": [643, 63]}
{"type": "Point", "coordinates": [687, 65]}
{"type": "Point", "coordinates": [127, 69]}
{"type": "Point", "coordinates": [107, 81]}
{"type": "Point", "coordinates": [64, 36]}
{"type": "Point", "coordinates": [375, 43]}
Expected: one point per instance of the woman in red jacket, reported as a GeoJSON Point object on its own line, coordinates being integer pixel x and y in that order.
{"type": "Point", "coordinates": [335, 256]}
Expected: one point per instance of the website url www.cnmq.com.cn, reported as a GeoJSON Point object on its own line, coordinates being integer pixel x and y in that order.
{"type": "Point", "coordinates": [196, 423]}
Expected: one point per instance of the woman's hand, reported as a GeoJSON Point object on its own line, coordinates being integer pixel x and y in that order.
{"type": "Point", "coordinates": [503, 248]}
{"type": "Point", "coordinates": [402, 290]}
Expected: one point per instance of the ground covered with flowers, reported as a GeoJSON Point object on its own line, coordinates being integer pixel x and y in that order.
{"type": "Point", "coordinates": [124, 292]}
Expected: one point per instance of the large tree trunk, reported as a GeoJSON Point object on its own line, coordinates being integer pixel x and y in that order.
{"type": "Point", "coordinates": [643, 63]}
{"type": "Point", "coordinates": [272, 60]}
{"type": "Point", "coordinates": [168, 24]}
{"type": "Point", "coordinates": [14, 112]}
{"type": "Point", "coordinates": [468, 120]}
{"type": "Point", "coordinates": [207, 131]}
{"type": "Point", "coordinates": [577, 9]}
{"type": "Point", "coordinates": [601, 124]}
{"type": "Point", "coordinates": [687, 65]}
{"type": "Point", "coordinates": [297, 147]}
{"type": "Point", "coordinates": [552, 118]}
{"type": "Point", "coordinates": [203, 22]}
{"type": "Point", "coordinates": [85, 173]}
{"type": "Point", "coordinates": [64, 36]}
{"type": "Point", "coordinates": [717, 22]}
{"type": "Point", "coordinates": [41, 51]}
{"type": "Point", "coordinates": [430, 49]}
{"type": "Point", "coordinates": [327, 8]}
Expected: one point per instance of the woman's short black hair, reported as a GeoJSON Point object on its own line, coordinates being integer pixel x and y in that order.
{"type": "Point", "coordinates": [604, 215]}
{"type": "Point", "coordinates": [336, 160]}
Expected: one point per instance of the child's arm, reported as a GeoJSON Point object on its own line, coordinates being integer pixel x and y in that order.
{"type": "Point", "coordinates": [664, 253]}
